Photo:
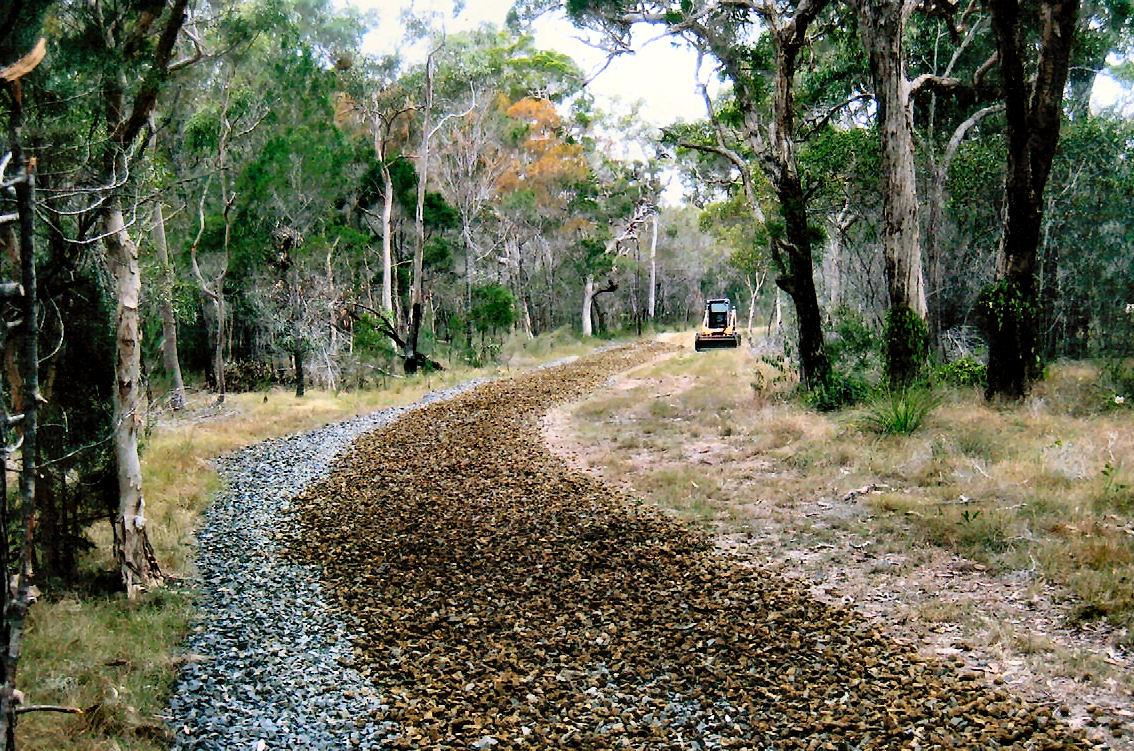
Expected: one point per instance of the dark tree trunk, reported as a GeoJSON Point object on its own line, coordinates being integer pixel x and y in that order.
{"type": "Point", "coordinates": [1010, 308]}
{"type": "Point", "coordinates": [16, 585]}
{"type": "Point", "coordinates": [297, 359]}
{"type": "Point", "coordinates": [794, 256]}
{"type": "Point", "coordinates": [797, 278]}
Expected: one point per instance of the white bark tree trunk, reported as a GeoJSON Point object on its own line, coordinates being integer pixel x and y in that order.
{"type": "Point", "coordinates": [168, 320]}
{"type": "Point", "coordinates": [778, 316]}
{"type": "Point", "coordinates": [131, 542]}
{"type": "Point", "coordinates": [651, 305]}
{"type": "Point", "coordinates": [832, 261]}
{"type": "Point", "coordinates": [387, 247]}
{"type": "Point", "coordinates": [588, 303]}
{"type": "Point", "coordinates": [754, 286]}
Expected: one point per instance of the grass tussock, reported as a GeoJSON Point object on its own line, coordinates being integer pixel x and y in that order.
{"type": "Point", "coordinates": [1045, 486]}
{"type": "Point", "coordinates": [116, 659]}
{"type": "Point", "coordinates": [899, 412]}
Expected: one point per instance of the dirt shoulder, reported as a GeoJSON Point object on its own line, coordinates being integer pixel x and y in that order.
{"type": "Point", "coordinates": [1012, 627]}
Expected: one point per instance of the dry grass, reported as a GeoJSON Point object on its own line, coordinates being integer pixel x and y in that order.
{"type": "Point", "coordinates": [1048, 484]}
{"type": "Point", "coordinates": [116, 659]}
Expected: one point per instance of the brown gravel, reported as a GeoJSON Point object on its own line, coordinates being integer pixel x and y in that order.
{"type": "Point", "coordinates": [504, 600]}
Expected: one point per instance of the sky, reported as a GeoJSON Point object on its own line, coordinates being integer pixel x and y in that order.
{"type": "Point", "coordinates": [661, 76]}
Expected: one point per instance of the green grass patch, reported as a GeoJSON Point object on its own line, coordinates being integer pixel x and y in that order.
{"type": "Point", "coordinates": [899, 412]}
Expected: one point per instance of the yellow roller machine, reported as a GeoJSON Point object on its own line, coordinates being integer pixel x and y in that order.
{"type": "Point", "coordinates": [718, 329]}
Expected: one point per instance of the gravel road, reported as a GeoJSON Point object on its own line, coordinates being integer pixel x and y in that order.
{"type": "Point", "coordinates": [498, 599]}
{"type": "Point", "coordinates": [268, 663]}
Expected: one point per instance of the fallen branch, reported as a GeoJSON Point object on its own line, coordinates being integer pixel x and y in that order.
{"type": "Point", "coordinates": [48, 708]}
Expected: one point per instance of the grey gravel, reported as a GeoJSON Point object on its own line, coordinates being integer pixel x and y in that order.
{"type": "Point", "coordinates": [268, 663]}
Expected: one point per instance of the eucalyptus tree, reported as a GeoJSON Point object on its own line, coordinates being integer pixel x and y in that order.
{"type": "Point", "coordinates": [504, 69]}
{"type": "Point", "coordinates": [470, 164]}
{"type": "Point", "coordinates": [882, 25]}
{"type": "Point", "coordinates": [389, 111]}
{"type": "Point", "coordinates": [266, 163]}
{"type": "Point", "coordinates": [1034, 44]}
{"type": "Point", "coordinates": [757, 46]}
{"type": "Point", "coordinates": [747, 243]}
{"type": "Point", "coordinates": [127, 54]}
{"type": "Point", "coordinates": [1085, 269]}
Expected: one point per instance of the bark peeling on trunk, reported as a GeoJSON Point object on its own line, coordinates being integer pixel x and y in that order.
{"type": "Point", "coordinates": [883, 24]}
{"type": "Point", "coordinates": [132, 550]}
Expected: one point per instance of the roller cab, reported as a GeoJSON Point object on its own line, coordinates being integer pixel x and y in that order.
{"type": "Point", "coordinates": [718, 328]}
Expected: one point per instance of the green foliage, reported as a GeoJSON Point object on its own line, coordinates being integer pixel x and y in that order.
{"type": "Point", "coordinates": [438, 253]}
{"type": "Point", "coordinates": [1116, 492]}
{"type": "Point", "coordinates": [907, 345]}
{"type": "Point", "coordinates": [839, 390]}
{"type": "Point", "coordinates": [437, 213]}
{"type": "Point", "coordinates": [1004, 305]}
{"type": "Point", "coordinates": [836, 161]}
{"type": "Point", "coordinates": [733, 224]}
{"type": "Point", "coordinates": [854, 345]}
{"type": "Point", "coordinates": [899, 412]}
{"type": "Point", "coordinates": [976, 175]}
{"type": "Point", "coordinates": [963, 373]}
{"type": "Point", "coordinates": [402, 175]}
{"type": "Point", "coordinates": [369, 341]}
{"type": "Point", "coordinates": [853, 351]}
{"type": "Point", "coordinates": [1008, 315]}
{"type": "Point", "coordinates": [493, 308]}
{"type": "Point", "coordinates": [1117, 381]}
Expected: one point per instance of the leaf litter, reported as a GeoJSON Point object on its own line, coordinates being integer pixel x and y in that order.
{"type": "Point", "coordinates": [503, 600]}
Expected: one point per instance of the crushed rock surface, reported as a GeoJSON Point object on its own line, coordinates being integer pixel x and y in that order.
{"type": "Point", "coordinates": [268, 662]}
{"type": "Point", "coordinates": [498, 599]}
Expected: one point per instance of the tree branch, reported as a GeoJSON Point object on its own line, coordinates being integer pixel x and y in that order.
{"type": "Point", "coordinates": [386, 327]}
{"type": "Point", "coordinates": [962, 130]}
{"type": "Point", "coordinates": [147, 94]}
{"type": "Point", "coordinates": [822, 122]}
{"type": "Point", "coordinates": [25, 64]}
{"type": "Point", "coordinates": [198, 53]}
{"type": "Point", "coordinates": [935, 83]}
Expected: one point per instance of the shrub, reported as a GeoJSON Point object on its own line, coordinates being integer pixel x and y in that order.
{"type": "Point", "coordinates": [1117, 378]}
{"type": "Point", "coordinates": [840, 390]}
{"type": "Point", "coordinates": [899, 412]}
{"type": "Point", "coordinates": [907, 345]}
{"type": "Point", "coordinates": [964, 373]}
{"type": "Point", "coordinates": [249, 375]}
{"type": "Point", "coordinates": [853, 345]}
